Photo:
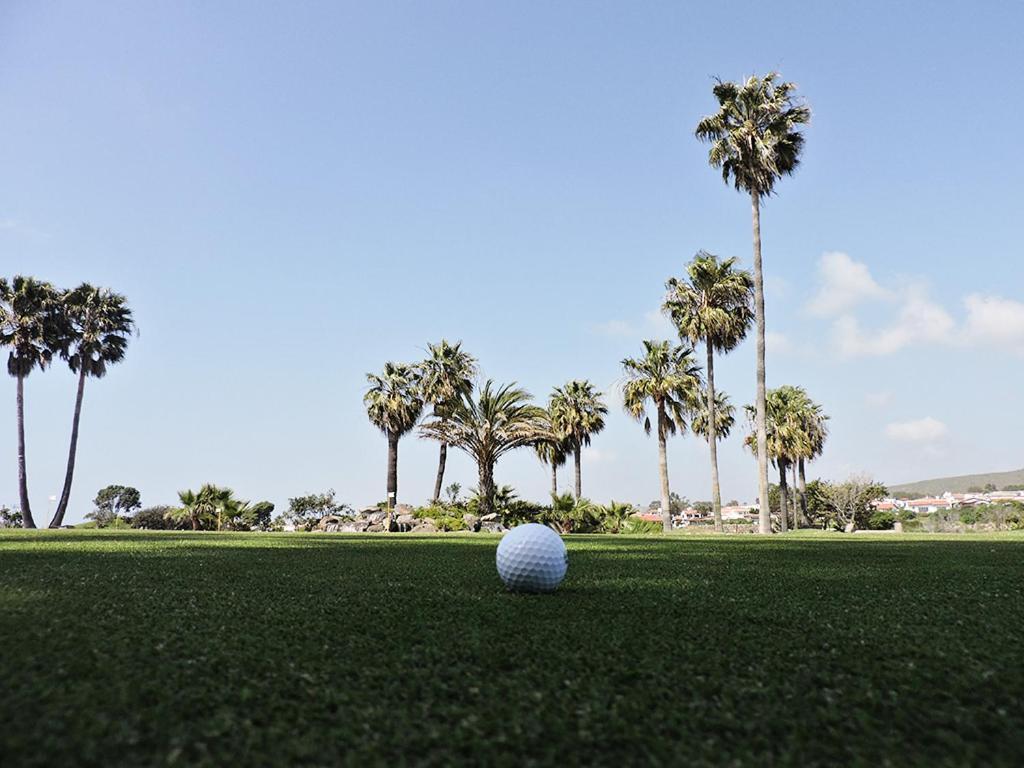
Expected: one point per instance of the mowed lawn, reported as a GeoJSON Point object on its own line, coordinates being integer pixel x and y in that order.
{"type": "Point", "coordinates": [274, 649]}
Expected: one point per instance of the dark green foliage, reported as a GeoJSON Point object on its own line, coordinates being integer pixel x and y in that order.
{"type": "Point", "coordinates": [274, 650]}
{"type": "Point", "coordinates": [156, 519]}
{"type": "Point", "coordinates": [10, 518]}
{"type": "Point", "coordinates": [881, 520]}
{"type": "Point", "coordinates": [970, 515]}
{"type": "Point", "coordinates": [112, 502]}
{"type": "Point", "coordinates": [305, 511]}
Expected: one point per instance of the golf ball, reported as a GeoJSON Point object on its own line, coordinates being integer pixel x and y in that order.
{"type": "Point", "coordinates": [532, 558]}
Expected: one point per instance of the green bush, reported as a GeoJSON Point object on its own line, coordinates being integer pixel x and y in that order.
{"type": "Point", "coordinates": [636, 525]}
{"type": "Point", "coordinates": [881, 520]}
{"type": "Point", "coordinates": [970, 515]}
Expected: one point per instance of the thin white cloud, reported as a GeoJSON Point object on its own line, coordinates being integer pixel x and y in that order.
{"type": "Point", "coordinates": [777, 343]}
{"type": "Point", "coordinates": [845, 284]}
{"type": "Point", "coordinates": [992, 319]}
{"type": "Point", "coordinates": [924, 430]}
{"type": "Point", "coordinates": [616, 329]}
{"type": "Point", "coordinates": [919, 320]}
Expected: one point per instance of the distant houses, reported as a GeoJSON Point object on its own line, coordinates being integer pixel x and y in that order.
{"type": "Point", "coordinates": [948, 500]}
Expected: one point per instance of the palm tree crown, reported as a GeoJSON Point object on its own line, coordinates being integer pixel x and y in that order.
{"type": "Point", "coordinates": [99, 325]}
{"type": "Point", "coordinates": [446, 375]}
{"type": "Point", "coordinates": [500, 420]}
{"type": "Point", "coordinates": [577, 412]}
{"type": "Point", "coordinates": [725, 417]}
{"type": "Point", "coordinates": [393, 401]}
{"type": "Point", "coordinates": [30, 324]}
{"type": "Point", "coordinates": [667, 376]}
{"type": "Point", "coordinates": [754, 136]}
{"type": "Point", "coordinates": [714, 305]}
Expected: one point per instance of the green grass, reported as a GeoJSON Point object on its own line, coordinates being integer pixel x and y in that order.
{"type": "Point", "coordinates": [161, 649]}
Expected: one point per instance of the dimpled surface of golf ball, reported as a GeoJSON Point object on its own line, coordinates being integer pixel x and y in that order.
{"type": "Point", "coordinates": [532, 558]}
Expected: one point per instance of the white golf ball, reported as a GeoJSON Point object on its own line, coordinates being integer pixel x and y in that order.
{"type": "Point", "coordinates": [532, 558]}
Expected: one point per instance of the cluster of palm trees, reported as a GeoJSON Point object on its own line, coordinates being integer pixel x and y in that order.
{"type": "Point", "coordinates": [755, 139]}
{"type": "Point", "coordinates": [86, 327]}
{"type": "Point", "coordinates": [796, 429]}
{"type": "Point", "coordinates": [485, 422]}
{"type": "Point", "coordinates": [217, 507]}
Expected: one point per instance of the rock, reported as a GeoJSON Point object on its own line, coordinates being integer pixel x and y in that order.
{"type": "Point", "coordinates": [375, 528]}
{"type": "Point", "coordinates": [472, 521]}
{"type": "Point", "coordinates": [897, 526]}
{"type": "Point", "coordinates": [425, 526]}
{"type": "Point", "coordinates": [367, 511]}
{"type": "Point", "coordinates": [492, 526]}
{"type": "Point", "coordinates": [376, 517]}
{"type": "Point", "coordinates": [403, 509]}
{"type": "Point", "coordinates": [359, 526]}
{"type": "Point", "coordinates": [407, 519]}
{"type": "Point", "coordinates": [489, 518]}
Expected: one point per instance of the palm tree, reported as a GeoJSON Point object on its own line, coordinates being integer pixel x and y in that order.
{"type": "Point", "coordinates": [713, 306]}
{"type": "Point", "coordinates": [552, 450]}
{"type": "Point", "coordinates": [725, 416]}
{"type": "Point", "coordinates": [394, 405]}
{"type": "Point", "coordinates": [813, 421]}
{"type": "Point", "coordinates": [577, 414]}
{"type": "Point", "coordinates": [31, 328]}
{"type": "Point", "coordinates": [195, 507]}
{"type": "Point", "coordinates": [98, 326]}
{"type": "Point", "coordinates": [500, 420]}
{"type": "Point", "coordinates": [446, 375]}
{"type": "Point", "coordinates": [667, 376]}
{"type": "Point", "coordinates": [755, 140]}
{"type": "Point", "coordinates": [785, 437]}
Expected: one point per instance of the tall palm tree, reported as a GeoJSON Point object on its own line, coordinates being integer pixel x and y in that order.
{"type": "Point", "coordinates": [98, 326]}
{"type": "Point", "coordinates": [196, 507]}
{"type": "Point", "coordinates": [552, 450]}
{"type": "Point", "coordinates": [500, 420]}
{"type": "Point", "coordinates": [785, 437]}
{"type": "Point", "coordinates": [725, 416]}
{"type": "Point", "coordinates": [31, 327]}
{"type": "Point", "coordinates": [667, 376]}
{"type": "Point", "coordinates": [577, 414]}
{"type": "Point", "coordinates": [712, 305]}
{"type": "Point", "coordinates": [755, 140]}
{"type": "Point", "coordinates": [446, 375]}
{"type": "Point", "coordinates": [394, 404]}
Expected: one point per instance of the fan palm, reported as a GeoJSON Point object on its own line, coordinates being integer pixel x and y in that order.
{"type": "Point", "coordinates": [394, 404]}
{"type": "Point", "coordinates": [577, 414]}
{"type": "Point", "coordinates": [785, 437]}
{"type": "Point", "coordinates": [487, 427]}
{"type": "Point", "coordinates": [553, 451]}
{"type": "Point", "coordinates": [813, 421]}
{"type": "Point", "coordinates": [196, 507]}
{"type": "Point", "coordinates": [446, 375]}
{"type": "Point", "coordinates": [712, 305]}
{"type": "Point", "coordinates": [668, 377]}
{"type": "Point", "coordinates": [98, 324]}
{"type": "Point", "coordinates": [725, 416]}
{"type": "Point", "coordinates": [755, 140]}
{"type": "Point", "coordinates": [31, 327]}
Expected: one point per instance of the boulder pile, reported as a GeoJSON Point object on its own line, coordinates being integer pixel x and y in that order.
{"type": "Point", "coordinates": [374, 520]}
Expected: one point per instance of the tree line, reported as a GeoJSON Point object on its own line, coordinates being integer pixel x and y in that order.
{"type": "Point", "coordinates": [86, 327]}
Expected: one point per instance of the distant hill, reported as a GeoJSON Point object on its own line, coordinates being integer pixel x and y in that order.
{"type": "Point", "coordinates": [960, 483]}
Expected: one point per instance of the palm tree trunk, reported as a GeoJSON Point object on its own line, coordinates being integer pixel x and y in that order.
{"type": "Point", "coordinates": [764, 516]}
{"type": "Point", "coordinates": [803, 492]}
{"type": "Point", "coordinates": [65, 496]}
{"type": "Point", "coordinates": [485, 476]}
{"type": "Point", "coordinates": [26, 509]}
{"type": "Point", "coordinates": [442, 458]}
{"type": "Point", "coordinates": [554, 479]}
{"type": "Point", "coordinates": [716, 491]}
{"type": "Point", "coordinates": [579, 481]}
{"type": "Point", "coordinates": [392, 499]}
{"type": "Point", "coordinates": [796, 496]}
{"type": "Point", "coordinates": [783, 497]}
{"type": "Point", "coordinates": [666, 502]}
{"type": "Point", "coordinates": [195, 523]}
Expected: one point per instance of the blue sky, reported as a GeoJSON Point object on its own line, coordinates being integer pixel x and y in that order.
{"type": "Point", "coordinates": [291, 194]}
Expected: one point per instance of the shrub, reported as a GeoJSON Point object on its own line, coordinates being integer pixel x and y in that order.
{"type": "Point", "coordinates": [154, 519]}
{"type": "Point", "coordinates": [881, 520]}
{"type": "Point", "coordinates": [636, 525]}
{"type": "Point", "coordinates": [970, 516]}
